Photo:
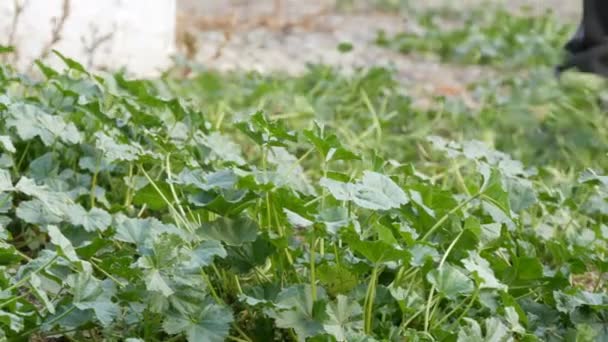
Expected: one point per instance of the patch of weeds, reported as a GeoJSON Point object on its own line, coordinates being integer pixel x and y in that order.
{"type": "Point", "coordinates": [494, 37]}
{"type": "Point", "coordinates": [533, 117]}
{"type": "Point", "coordinates": [127, 213]}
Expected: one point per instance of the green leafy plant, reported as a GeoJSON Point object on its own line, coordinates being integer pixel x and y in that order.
{"type": "Point", "coordinates": [131, 214]}
{"type": "Point", "coordinates": [489, 37]}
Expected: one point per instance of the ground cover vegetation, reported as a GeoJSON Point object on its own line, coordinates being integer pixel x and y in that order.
{"type": "Point", "coordinates": [323, 207]}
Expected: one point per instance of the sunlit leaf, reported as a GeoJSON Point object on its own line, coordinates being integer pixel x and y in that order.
{"type": "Point", "coordinates": [210, 323]}
{"type": "Point", "coordinates": [65, 246]}
{"type": "Point", "coordinates": [450, 281]}
{"type": "Point", "coordinates": [95, 219]}
{"type": "Point", "coordinates": [31, 121]}
{"type": "Point", "coordinates": [344, 317]}
{"type": "Point", "coordinates": [297, 310]}
{"type": "Point", "coordinates": [375, 191]}
{"type": "Point", "coordinates": [481, 267]}
{"type": "Point", "coordinates": [92, 294]}
{"type": "Point", "coordinates": [231, 232]}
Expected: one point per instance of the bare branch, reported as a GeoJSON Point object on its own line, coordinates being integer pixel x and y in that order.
{"type": "Point", "coordinates": [95, 44]}
{"type": "Point", "coordinates": [19, 6]}
{"type": "Point", "coordinates": [56, 34]}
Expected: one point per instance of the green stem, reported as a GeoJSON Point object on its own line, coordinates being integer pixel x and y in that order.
{"type": "Point", "coordinates": [448, 214]}
{"type": "Point", "coordinates": [598, 282]}
{"type": "Point", "coordinates": [29, 275]}
{"type": "Point", "coordinates": [241, 332]}
{"type": "Point", "coordinates": [94, 181]}
{"type": "Point", "coordinates": [179, 220]}
{"type": "Point", "coordinates": [369, 301]}
{"type": "Point", "coordinates": [412, 318]}
{"type": "Point", "coordinates": [449, 250]}
{"type": "Point", "coordinates": [23, 255]}
{"type": "Point", "coordinates": [460, 180]}
{"type": "Point", "coordinates": [174, 193]}
{"type": "Point", "coordinates": [427, 309]}
{"type": "Point", "coordinates": [50, 323]}
{"type": "Point", "coordinates": [313, 280]}
{"type": "Point", "coordinates": [12, 300]}
{"type": "Point", "coordinates": [427, 316]}
{"type": "Point", "coordinates": [128, 195]}
{"type": "Point", "coordinates": [211, 288]}
{"type": "Point", "coordinates": [336, 254]}
{"type": "Point", "coordinates": [281, 231]}
{"type": "Point", "coordinates": [22, 158]}
{"type": "Point", "coordinates": [449, 314]}
{"type": "Point", "coordinates": [97, 267]}
{"type": "Point", "coordinates": [466, 309]}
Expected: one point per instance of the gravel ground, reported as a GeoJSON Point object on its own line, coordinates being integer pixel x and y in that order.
{"type": "Point", "coordinates": [247, 35]}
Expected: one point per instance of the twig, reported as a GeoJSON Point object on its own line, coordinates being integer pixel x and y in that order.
{"type": "Point", "coordinates": [19, 7]}
{"type": "Point", "coordinates": [96, 42]}
{"type": "Point", "coordinates": [220, 48]}
{"type": "Point", "coordinates": [56, 33]}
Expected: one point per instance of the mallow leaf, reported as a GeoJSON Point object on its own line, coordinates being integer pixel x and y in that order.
{"type": "Point", "coordinates": [140, 231]}
{"type": "Point", "coordinates": [345, 316]}
{"type": "Point", "coordinates": [328, 144]}
{"type": "Point", "coordinates": [222, 148]}
{"type": "Point", "coordinates": [114, 150]}
{"type": "Point", "coordinates": [6, 184]}
{"type": "Point", "coordinates": [30, 121]}
{"type": "Point", "coordinates": [64, 245]}
{"type": "Point", "coordinates": [495, 331]}
{"type": "Point", "coordinates": [91, 293]}
{"type": "Point", "coordinates": [204, 254]}
{"type": "Point", "coordinates": [210, 323]}
{"type": "Point", "coordinates": [376, 251]}
{"type": "Point", "coordinates": [474, 263]}
{"type": "Point", "coordinates": [95, 219]}
{"type": "Point", "coordinates": [35, 212]}
{"type": "Point", "coordinates": [568, 301]}
{"type": "Point", "coordinates": [450, 281]}
{"type": "Point", "coordinates": [233, 232]}
{"type": "Point", "coordinates": [156, 282]}
{"type": "Point", "coordinates": [297, 310]}
{"type": "Point", "coordinates": [14, 322]}
{"type": "Point", "coordinates": [374, 191]}
{"type": "Point", "coordinates": [7, 144]}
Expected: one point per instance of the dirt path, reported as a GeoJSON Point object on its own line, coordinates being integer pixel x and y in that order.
{"type": "Point", "coordinates": [245, 35]}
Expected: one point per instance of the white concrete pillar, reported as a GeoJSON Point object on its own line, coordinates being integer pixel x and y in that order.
{"type": "Point", "coordinates": [105, 34]}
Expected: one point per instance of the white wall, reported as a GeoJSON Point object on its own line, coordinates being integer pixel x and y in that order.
{"type": "Point", "coordinates": [136, 34]}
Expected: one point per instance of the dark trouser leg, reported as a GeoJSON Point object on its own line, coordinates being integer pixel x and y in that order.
{"type": "Point", "coordinates": [587, 51]}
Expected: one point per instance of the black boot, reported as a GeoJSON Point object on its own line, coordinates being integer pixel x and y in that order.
{"type": "Point", "coordinates": [587, 51]}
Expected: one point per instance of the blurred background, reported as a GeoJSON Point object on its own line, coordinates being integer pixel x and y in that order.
{"type": "Point", "coordinates": [473, 69]}
{"type": "Point", "coordinates": [286, 35]}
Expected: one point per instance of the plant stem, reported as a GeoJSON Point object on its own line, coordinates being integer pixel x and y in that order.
{"type": "Point", "coordinates": [97, 267]}
{"type": "Point", "coordinates": [449, 314]}
{"type": "Point", "coordinates": [313, 280]}
{"type": "Point", "coordinates": [12, 300]}
{"type": "Point", "coordinates": [128, 196]}
{"type": "Point", "coordinates": [211, 288]}
{"type": "Point", "coordinates": [369, 301]}
{"type": "Point", "coordinates": [427, 316]}
{"type": "Point", "coordinates": [182, 220]}
{"type": "Point", "coordinates": [29, 275]}
{"type": "Point", "coordinates": [94, 182]}
{"type": "Point", "coordinates": [466, 309]}
{"type": "Point", "coordinates": [50, 323]}
{"type": "Point", "coordinates": [427, 309]}
{"type": "Point", "coordinates": [241, 332]}
{"type": "Point", "coordinates": [447, 215]}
